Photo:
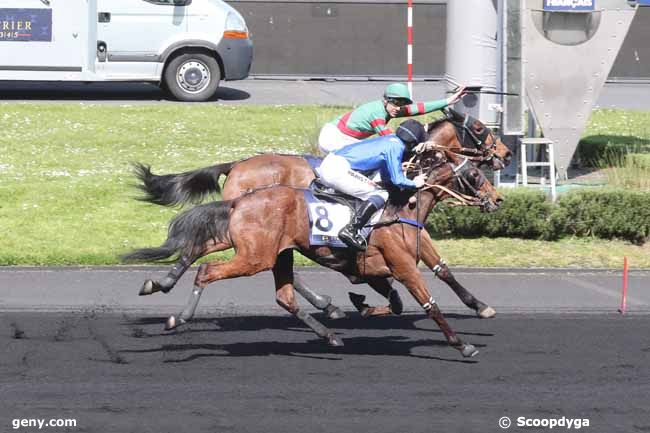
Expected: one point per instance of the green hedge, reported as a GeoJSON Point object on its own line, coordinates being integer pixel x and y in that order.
{"type": "Point", "coordinates": [528, 214]}
{"type": "Point", "coordinates": [604, 151]}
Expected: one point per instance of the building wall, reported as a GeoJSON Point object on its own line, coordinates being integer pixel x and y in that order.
{"type": "Point", "coordinates": [367, 39]}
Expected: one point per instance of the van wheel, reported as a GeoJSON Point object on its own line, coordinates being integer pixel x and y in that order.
{"type": "Point", "coordinates": [192, 77]}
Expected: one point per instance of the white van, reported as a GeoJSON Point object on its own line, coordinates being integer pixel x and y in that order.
{"type": "Point", "coordinates": [186, 45]}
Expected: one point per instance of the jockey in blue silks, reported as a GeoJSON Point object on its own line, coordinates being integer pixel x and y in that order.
{"type": "Point", "coordinates": [344, 170]}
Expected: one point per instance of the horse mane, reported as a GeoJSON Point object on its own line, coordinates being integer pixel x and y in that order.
{"type": "Point", "coordinates": [435, 124]}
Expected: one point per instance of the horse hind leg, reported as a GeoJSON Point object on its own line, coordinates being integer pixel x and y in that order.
{"type": "Point", "coordinates": [284, 295]}
{"type": "Point", "coordinates": [384, 287]}
{"type": "Point", "coordinates": [239, 265]}
{"type": "Point", "coordinates": [167, 283]}
{"type": "Point", "coordinates": [322, 302]}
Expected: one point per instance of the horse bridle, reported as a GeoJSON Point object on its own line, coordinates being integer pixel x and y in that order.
{"type": "Point", "coordinates": [477, 198]}
{"type": "Point", "coordinates": [479, 151]}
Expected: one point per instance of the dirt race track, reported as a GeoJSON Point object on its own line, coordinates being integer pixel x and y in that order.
{"type": "Point", "coordinates": [114, 369]}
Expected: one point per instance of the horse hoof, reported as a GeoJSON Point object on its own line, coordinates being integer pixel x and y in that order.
{"type": "Point", "coordinates": [149, 288]}
{"type": "Point", "coordinates": [468, 351]}
{"type": "Point", "coordinates": [334, 312]}
{"type": "Point", "coordinates": [486, 312]}
{"type": "Point", "coordinates": [334, 341]}
{"type": "Point", "coordinates": [173, 323]}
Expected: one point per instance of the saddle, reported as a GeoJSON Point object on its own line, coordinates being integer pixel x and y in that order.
{"type": "Point", "coordinates": [326, 193]}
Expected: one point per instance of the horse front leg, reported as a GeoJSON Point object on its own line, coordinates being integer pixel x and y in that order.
{"type": "Point", "coordinates": [405, 270]}
{"type": "Point", "coordinates": [432, 259]}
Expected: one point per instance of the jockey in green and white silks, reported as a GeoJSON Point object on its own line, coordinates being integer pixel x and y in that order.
{"type": "Point", "coordinates": [373, 117]}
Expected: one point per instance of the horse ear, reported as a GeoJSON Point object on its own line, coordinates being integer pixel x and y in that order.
{"type": "Point", "coordinates": [454, 115]}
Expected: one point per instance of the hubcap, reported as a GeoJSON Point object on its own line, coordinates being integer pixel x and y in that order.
{"type": "Point", "coordinates": [193, 76]}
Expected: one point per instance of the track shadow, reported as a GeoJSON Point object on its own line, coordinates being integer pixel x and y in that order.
{"type": "Point", "coordinates": [74, 91]}
{"type": "Point", "coordinates": [230, 94]}
{"type": "Point", "coordinates": [372, 346]}
{"type": "Point", "coordinates": [66, 91]}
{"type": "Point", "coordinates": [414, 322]}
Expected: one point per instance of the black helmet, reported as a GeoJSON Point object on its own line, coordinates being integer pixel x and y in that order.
{"type": "Point", "coordinates": [411, 132]}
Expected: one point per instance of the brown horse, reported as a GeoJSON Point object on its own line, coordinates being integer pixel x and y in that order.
{"type": "Point", "coordinates": [264, 225]}
{"type": "Point", "coordinates": [461, 134]}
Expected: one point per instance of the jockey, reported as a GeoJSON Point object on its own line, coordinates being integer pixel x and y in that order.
{"type": "Point", "coordinates": [372, 118]}
{"type": "Point", "coordinates": [342, 170]}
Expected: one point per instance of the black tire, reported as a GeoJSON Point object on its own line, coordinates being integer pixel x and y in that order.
{"type": "Point", "coordinates": [192, 77]}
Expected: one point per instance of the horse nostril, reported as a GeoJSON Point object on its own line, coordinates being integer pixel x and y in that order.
{"type": "Point", "coordinates": [499, 202]}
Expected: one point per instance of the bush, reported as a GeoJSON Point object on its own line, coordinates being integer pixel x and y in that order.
{"type": "Point", "coordinates": [528, 214]}
{"type": "Point", "coordinates": [605, 151]}
{"type": "Point", "coordinates": [606, 214]}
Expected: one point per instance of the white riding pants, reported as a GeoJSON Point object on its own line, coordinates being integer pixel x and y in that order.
{"type": "Point", "coordinates": [331, 138]}
{"type": "Point", "coordinates": [335, 172]}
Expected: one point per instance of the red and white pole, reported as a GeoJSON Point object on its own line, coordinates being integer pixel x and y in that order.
{"type": "Point", "coordinates": [409, 47]}
{"type": "Point", "coordinates": [624, 295]}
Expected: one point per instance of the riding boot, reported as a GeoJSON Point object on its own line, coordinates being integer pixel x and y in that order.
{"type": "Point", "coordinates": [350, 233]}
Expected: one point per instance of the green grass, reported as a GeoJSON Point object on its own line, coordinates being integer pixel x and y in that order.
{"type": "Point", "coordinates": [65, 180]}
{"type": "Point", "coordinates": [613, 134]}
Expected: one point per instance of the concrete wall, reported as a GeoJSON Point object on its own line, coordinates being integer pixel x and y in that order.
{"type": "Point", "coordinates": [367, 39]}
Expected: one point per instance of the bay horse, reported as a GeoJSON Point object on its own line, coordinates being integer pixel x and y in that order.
{"type": "Point", "coordinates": [459, 133]}
{"type": "Point", "coordinates": [264, 225]}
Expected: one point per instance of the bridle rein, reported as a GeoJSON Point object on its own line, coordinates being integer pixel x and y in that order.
{"type": "Point", "coordinates": [474, 198]}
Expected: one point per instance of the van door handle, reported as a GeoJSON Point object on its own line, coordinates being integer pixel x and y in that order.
{"type": "Point", "coordinates": [104, 17]}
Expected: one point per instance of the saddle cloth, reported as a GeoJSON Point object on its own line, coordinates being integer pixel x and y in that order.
{"type": "Point", "coordinates": [314, 162]}
{"type": "Point", "coordinates": [326, 219]}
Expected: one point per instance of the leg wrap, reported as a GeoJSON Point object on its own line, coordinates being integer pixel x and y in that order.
{"type": "Point", "coordinates": [314, 324]}
{"type": "Point", "coordinates": [192, 303]}
{"type": "Point", "coordinates": [319, 301]}
{"type": "Point", "coordinates": [439, 267]}
{"type": "Point", "coordinates": [175, 274]}
{"type": "Point", "coordinates": [427, 306]}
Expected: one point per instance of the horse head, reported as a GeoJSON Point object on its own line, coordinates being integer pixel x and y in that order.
{"type": "Point", "coordinates": [471, 138]}
{"type": "Point", "coordinates": [453, 175]}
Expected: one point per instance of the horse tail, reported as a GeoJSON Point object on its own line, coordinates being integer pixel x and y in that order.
{"type": "Point", "coordinates": [189, 232]}
{"type": "Point", "coordinates": [181, 188]}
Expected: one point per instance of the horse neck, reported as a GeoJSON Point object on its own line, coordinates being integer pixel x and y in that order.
{"type": "Point", "coordinates": [445, 135]}
{"type": "Point", "coordinates": [426, 200]}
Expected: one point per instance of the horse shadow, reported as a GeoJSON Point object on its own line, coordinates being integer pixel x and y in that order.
{"type": "Point", "coordinates": [398, 346]}
{"type": "Point", "coordinates": [353, 321]}
{"type": "Point", "coordinates": [388, 345]}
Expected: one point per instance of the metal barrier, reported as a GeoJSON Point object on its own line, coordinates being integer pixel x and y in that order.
{"type": "Point", "coordinates": [550, 163]}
